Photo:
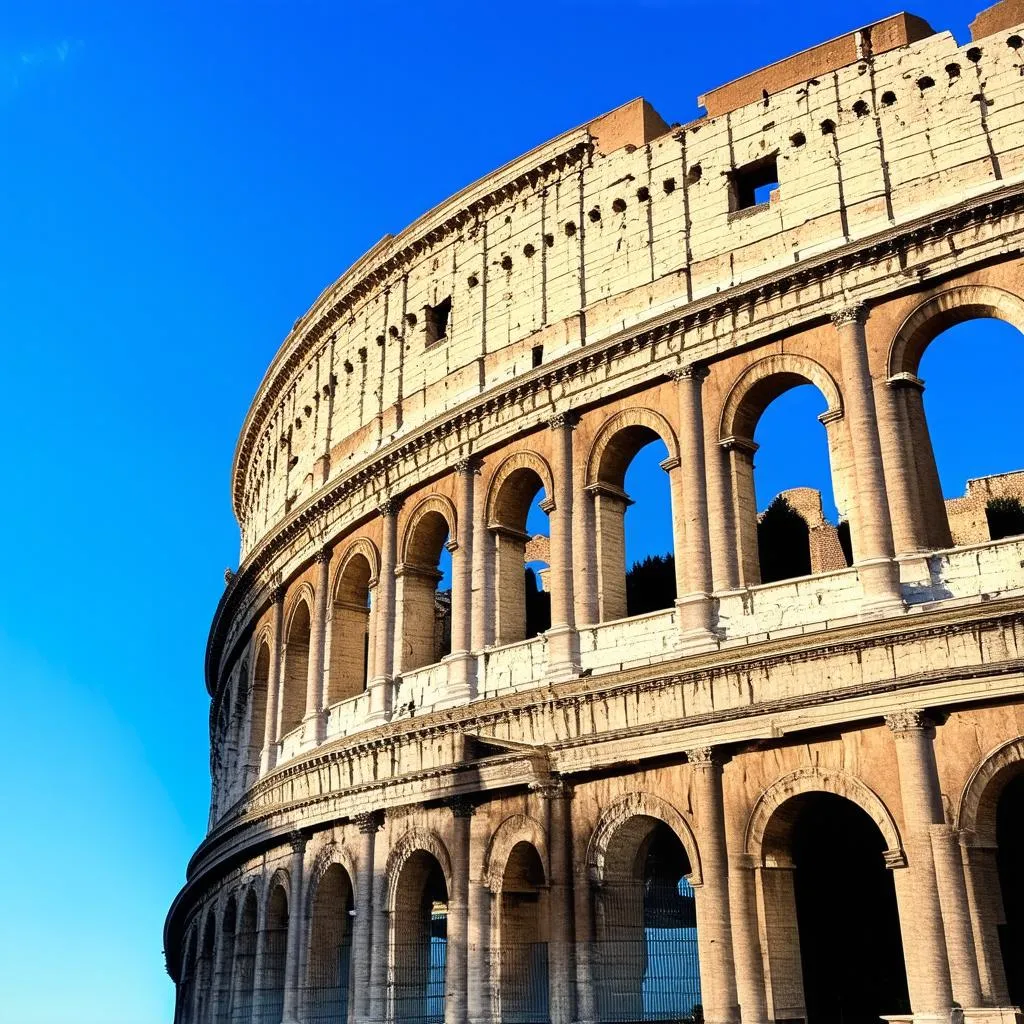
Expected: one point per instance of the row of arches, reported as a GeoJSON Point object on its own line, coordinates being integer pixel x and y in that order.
{"type": "Point", "coordinates": [833, 919]}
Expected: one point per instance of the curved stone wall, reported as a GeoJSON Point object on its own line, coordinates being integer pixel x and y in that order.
{"type": "Point", "coordinates": [377, 750]}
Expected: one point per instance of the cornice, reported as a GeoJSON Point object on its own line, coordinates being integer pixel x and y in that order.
{"type": "Point", "coordinates": [543, 382]}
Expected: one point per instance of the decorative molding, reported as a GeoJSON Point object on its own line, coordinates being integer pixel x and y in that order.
{"type": "Point", "coordinates": [696, 372]}
{"type": "Point", "coordinates": [563, 420]}
{"type": "Point", "coordinates": [704, 757]}
{"type": "Point", "coordinates": [855, 314]}
{"type": "Point", "coordinates": [370, 822]}
{"type": "Point", "coordinates": [908, 721]}
{"type": "Point", "coordinates": [461, 806]}
{"type": "Point", "coordinates": [389, 507]}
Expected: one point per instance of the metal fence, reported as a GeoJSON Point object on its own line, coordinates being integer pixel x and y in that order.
{"type": "Point", "coordinates": [524, 983]}
{"type": "Point", "coordinates": [417, 979]}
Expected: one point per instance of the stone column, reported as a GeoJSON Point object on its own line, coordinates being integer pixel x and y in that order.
{"type": "Point", "coordinates": [924, 942]}
{"type": "Point", "coordinates": [586, 1001]}
{"type": "Point", "coordinates": [384, 641]}
{"type": "Point", "coordinates": [609, 505]}
{"type": "Point", "coordinates": [750, 988]}
{"type": "Point", "coordinates": [984, 901]}
{"type": "Point", "coordinates": [482, 612]}
{"type": "Point", "coordinates": [455, 1003]}
{"type": "Point", "coordinates": [560, 966]}
{"type": "Point", "coordinates": [879, 574]}
{"type": "Point", "coordinates": [956, 919]}
{"type": "Point", "coordinates": [908, 527]}
{"type": "Point", "coordinates": [269, 756]}
{"type": "Point", "coordinates": [584, 551]}
{"type": "Point", "coordinates": [296, 931]}
{"type": "Point", "coordinates": [380, 944]}
{"type": "Point", "coordinates": [740, 453]}
{"type": "Point", "coordinates": [478, 968]}
{"type": "Point", "coordinates": [461, 669]}
{"type": "Point", "coordinates": [721, 515]}
{"type": "Point", "coordinates": [362, 923]}
{"type": "Point", "coordinates": [933, 507]}
{"type": "Point", "coordinates": [563, 641]}
{"type": "Point", "coordinates": [714, 926]}
{"type": "Point", "coordinates": [695, 606]}
{"type": "Point", "coordinates": [314, 722]}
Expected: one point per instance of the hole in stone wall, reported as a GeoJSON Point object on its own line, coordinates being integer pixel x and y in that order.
{"type": "Point", "coordinates": [619, 206]}
{"type": "Point", "coordinates": [537, 355]}
{"type": "Point", "coordinates": [953, 70]}
{"type": "Point", "coordinates": [861, 108]}
{"type": "Point", "coordinates": [643, 194]}
{"type": "Point", "coordinates": [925, 82]}
{"type": "Point", "coordinates": [828, 127]}
{"type": "Point", "coordinates": [974, 54]}
{"type": "Point", "coordinates": [1015, 42]}
{"type": "Point", "coordinates": [570, 229]}
{"type": "Point", "coordinates": [694, 174]}
{"type": "Point", "coordinates": [888, 98]}
{"type": "Point", "coordinates": [437, 321]}
{"type": "Point", "coordinates": [472, 280]}
{"type": "Point", "coordinates": [549, 240]}
{"type": "Point", "coordinates": [506, 262]}
{"type": "Point", "coordinates": [753, 184]}
{"type": "Point", "coordinates": [669, 185]}
{"type": "Point", "coordinates": [595, 214]}
{"type": "Point", "coordinates": [528, 250]}
{"type": "Point", "coordinates": [798, 140]}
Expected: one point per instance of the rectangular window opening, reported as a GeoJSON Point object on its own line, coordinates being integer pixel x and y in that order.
{"type": "Point", "coordinates": [752, 185]}
{"type": "Point", "coordinates": [538, 355]}
{"type": "Point", "coordinates": [436, 321]}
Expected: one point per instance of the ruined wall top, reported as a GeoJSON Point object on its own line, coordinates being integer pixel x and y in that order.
{"type": "Point", "coordinates": [622, 220]}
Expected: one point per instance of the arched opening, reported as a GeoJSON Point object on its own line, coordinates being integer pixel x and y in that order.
{"type": "Point", "coordinates": [258, 722]}
{"type": "Point", "coordinates": [296, 669]}
{"type": "Point", "coordinates": [330, 949]}
{"type": "Point", "coordinates": [425, 627]}
{"type": "Point", "coordinates": [187, 982]}
{"type": "Point", "coordinates": [245, 961]}
{"type": "Point", "coordinates": [420, 941]}
{"type": "Point", "coordinates": [350, 630]}
{"type": "Point", "coordinates": [790, 516]}
{"type": "Point", "coordinates": [843, 961]}
{"type": "Point", "coordinates": [632, 510]}
{"type": "Point", "coordinates": [519, 533]}
{"type": "Point", "coordinates": [239, 722]}
{"type": "Point", "coordinates": [204, 969]}
{"type": "Point", "coordinates": [1010, 864]}
{"type": "Point", "coordinates": [523, 923]}
{"type": "Point", "coordinates": [268, 998]}
{"type": "Point", "coordinates": [225, 963]}
{"type": "Point", "coordinates": [647, 963]}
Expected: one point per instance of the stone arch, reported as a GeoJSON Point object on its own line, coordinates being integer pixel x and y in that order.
{"type": "Point", "coordinates": [951, 306]}
{"type": "Point", "coordinates": [763, 833]}
{"type": "Point", "coordinates": [279, 877]}
{"type": "Point", "coordinates": [605, 462]}
{"type": "Point", "coordinates": [502, 508]}
{"type": "Point", "coordinates": [617, 443]}
{"type": "Point", "coordinates": [298, 631]}
{"type": "Point", "coordinates": [225, 958]}
{"type": "Point", "coordinates": [330, 854]}
{"type": "Point", "coordinates": [246, 932]}
{"type": "Point", "coordinates": [259, 683]}
{"type": "Point", "coordinates": [360, 546]}
{"type": "Point", "coordinates": [518, 828]}
{"type": "Point", "coordinates": [327, 941]}
{"type": "Point", "coordinates": [761, 383]}
{"type": "Point", "coordinates": [433, 503]}
{"type": "Point", "coordinates": [205, 963]}
{"type": "Point", "coordinates": [350, 638]}
{"type": "Point", "coordinates": [303, 592]}
{"type": "Point", "coordinates": [415, 840]}
{"type": "Point", "coordinates": [976, 811]}
{"type": "Point", "coordinates": [644, 805]}
{"type": "Point", "coordinates": [518, 611]}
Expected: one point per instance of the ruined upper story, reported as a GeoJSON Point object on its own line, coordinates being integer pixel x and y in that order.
{"type": "Point", "coordinates": [623, 219]}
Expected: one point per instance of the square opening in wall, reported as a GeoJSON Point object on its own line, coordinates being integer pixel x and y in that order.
{"type": "Point", "coordinates": [436, 321]}
{"type": "Point", "coordinates": [752, 185]}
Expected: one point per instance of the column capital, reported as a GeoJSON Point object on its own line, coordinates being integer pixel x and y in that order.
{"type": "Point", "coordinates": [743, 445]}
{"type": "Point", "coordinates": [697, 372]}
{"type": "Point", "coordinates": [908, 721]}
{"type": "Point", "coordinates": [323, 556]}
{"type": "Point", "coordinates": [469, 466]}
{"type": "Point", "coordinates": [277, 593]}
{"type": "Point", "coordinates": [563, 420]}
{"type": "Point", "coordinates": [369, 822]}
{"type": "Point", "coordinates": [461, 806]}
{"type": "Point", "coordinates": [905, 380]}
{"type": "Point", "coordinates": [389, 507]}
{"type": "Point", "coordinates": [704, 757]}
{"type": "Point", "coordinates": [553, 788]}
{"type": "Point", "coordinates": [857, 313]}
{"type": "Point", "coordinates": [297, 841]}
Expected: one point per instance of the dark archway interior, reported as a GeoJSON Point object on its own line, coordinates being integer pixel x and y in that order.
{"type": "Point", "coordinates": [330, 949]}
{"type": "Point", "coordinates": [524, 939]}
{"type": "Point", "coordinates": [1010, 859]}
{"type": "Point", "coordinates": [421, 941]}
{"type": "Point", "coordinates": [650, 969]}
{"type": "Point", "coordinates": [851, 948]}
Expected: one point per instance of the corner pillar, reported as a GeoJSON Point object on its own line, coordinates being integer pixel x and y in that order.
{"type": "Point", "coordinates": [296, 930]}
{"type": "Point", "coordinates": [563, 640]}
{"type": "Point", "coordinates": [879, 573]}
{"type": "Point", "coordinates": [461, 667]}
{"type": "Point", "coordinates": [362, 923]}
{"type": "Point", "coordinates": [314, 723]}
{"type": "Point", "coordinates": [455, 975]}
{"type": "Point", "coordinates": [750, 988]}
{"type": "Point", "coordinates": [268, 757]}
{"type": "Point", "coordinates": [380, 687]}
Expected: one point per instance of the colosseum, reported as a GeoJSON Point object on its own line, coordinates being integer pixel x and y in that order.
{"type": "Point", "coordinates": [438, 799]}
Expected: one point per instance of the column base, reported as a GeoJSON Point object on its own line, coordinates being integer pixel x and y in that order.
{"type": "Point", "coordinates": [914, 567]}
{"type": "Point", "coordinates": [992, 1015]}
{"type": "Point", "coordinates": [461, 679]}
{"type": "Point", "coordinates": [379, 690]}
{"type": "Point", "coordinates": [563, 654]}
{"type": "Point", "coordinates": [880, 585]}
{"type": "Point", "coordinates": [314, 731]}
{"type": "Point", "coordinates": [696, 613]}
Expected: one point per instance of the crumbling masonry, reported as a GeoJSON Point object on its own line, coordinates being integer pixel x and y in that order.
{"type": "Point", "coordinates": [798, 800]}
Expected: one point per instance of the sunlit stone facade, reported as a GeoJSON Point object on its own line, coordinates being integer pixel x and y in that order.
{"type": "Point", "coordinates": [768, 802]}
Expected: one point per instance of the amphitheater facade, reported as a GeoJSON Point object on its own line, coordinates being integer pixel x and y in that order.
{"type": "Point", "coordinates": [796, 800]}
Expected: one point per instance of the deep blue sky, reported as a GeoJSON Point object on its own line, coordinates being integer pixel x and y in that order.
{"type": "Point", "coordinates": [177, 184]}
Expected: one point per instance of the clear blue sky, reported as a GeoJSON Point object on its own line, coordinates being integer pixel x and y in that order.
{"type": "Point", "coordinates": [177, 183]}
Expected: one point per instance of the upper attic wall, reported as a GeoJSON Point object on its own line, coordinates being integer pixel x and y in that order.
{"type": "Point", "coordinates": [997, 18]}
{"type": "Point", "coordinates": [871, 40]}
{"type": "Point", "coordinates": [611, 225]}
